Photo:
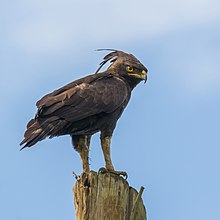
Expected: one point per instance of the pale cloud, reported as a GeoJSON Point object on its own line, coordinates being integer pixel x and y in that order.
{"type": "Point", "coordinates": [38, 36]}
{"type": "Point", "coordinates": [196, 65]}
{"type": "Point", "coordinates": [204, 78]}
{"type": "Point", "coordinates": [40, 26]}
{"type": "Point", "coordinates": [54, 25]}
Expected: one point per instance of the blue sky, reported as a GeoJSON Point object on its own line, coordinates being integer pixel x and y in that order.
{"type": "Point", "coordinates": [168, 137]}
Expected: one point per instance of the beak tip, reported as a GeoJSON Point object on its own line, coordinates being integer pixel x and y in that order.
{"type": "Point", "coordinates": [145, 80]}
{"type": "Point", "coordinates": [144, 75]}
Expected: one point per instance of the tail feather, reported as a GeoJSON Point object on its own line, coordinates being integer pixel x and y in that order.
{"type": "Point", "coordinates": [33, 134]}
{"type": "Point", "coordinates": [37, 131]}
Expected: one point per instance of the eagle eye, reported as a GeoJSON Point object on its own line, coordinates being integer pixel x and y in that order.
{"type": "Point", "coordinates": [130, 69]}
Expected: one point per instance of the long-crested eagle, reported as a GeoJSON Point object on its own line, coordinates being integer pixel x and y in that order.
{"type": "Point", "coordinates": [88, 105]}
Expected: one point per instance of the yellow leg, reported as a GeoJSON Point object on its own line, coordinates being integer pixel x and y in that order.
{"type": "Point", "coordinates": [106, 143]}
{"type": "Point", "coordinates": [109, 168]}
{"type": "Point", "coordinates": [81, 145]}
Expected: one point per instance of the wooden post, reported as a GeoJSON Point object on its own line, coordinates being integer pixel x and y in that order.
{"type": "Point", "coordinates": [107, 197]}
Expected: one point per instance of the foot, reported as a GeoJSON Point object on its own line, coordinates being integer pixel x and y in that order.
{"type": "Point", "coordinates": [119, 173]}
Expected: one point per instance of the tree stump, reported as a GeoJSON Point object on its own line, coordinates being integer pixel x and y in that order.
{"type": "Point", "coordinates": [107, 197]}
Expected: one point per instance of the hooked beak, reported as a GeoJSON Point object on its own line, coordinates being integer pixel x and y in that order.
{"type": "Point", "coordinates": [144, 76]}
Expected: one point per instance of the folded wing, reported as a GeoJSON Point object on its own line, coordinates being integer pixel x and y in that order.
{"type": "Point", "coordinates": [84, 100]}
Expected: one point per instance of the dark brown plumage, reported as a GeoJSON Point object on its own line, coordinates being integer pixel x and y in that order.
{"type": "Point", "coordinates": [88, 105]}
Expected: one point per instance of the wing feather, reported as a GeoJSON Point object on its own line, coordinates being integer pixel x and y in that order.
{"type": "Point", "coordinates": [105, 94]}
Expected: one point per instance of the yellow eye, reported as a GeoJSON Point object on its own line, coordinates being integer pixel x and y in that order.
{"type": "Point", "coordinates": [130, 69]}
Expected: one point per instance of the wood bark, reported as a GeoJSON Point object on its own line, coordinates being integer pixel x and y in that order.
{"type": "Point", "coordinates": [107, 197]}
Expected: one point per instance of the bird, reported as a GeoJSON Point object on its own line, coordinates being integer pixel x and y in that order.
{"type": "Point", "coordinates": [88, 105]}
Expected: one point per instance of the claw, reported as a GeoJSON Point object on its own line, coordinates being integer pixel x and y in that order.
{"type": "Point", "coordinates": [119, 173]}
{"type": "Point", "coordinates": [102, 170]}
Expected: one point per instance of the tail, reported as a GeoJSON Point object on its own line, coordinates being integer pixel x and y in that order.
{"type": "Point", "coordinates": [37, 131]}
{"type": "Point", "coordinates": [33, 134]}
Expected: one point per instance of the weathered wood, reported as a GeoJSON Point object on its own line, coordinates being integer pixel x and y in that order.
{"type": "Point", "coordinates": [107, 197]}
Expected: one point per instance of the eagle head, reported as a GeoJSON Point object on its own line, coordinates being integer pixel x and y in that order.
{"type": "Point", "coordinates": [126, 65]}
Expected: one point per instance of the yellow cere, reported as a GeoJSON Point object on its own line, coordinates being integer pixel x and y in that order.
{"type": "Point", "coordinates": [143, 72]}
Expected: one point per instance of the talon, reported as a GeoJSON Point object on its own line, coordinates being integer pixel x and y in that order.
{"type": "Point", "coordinates": [124, 174]}
{"type": "Point", "coordinates": [118, 173]}
{"type": "Point", "coordinates": [102, 170]}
